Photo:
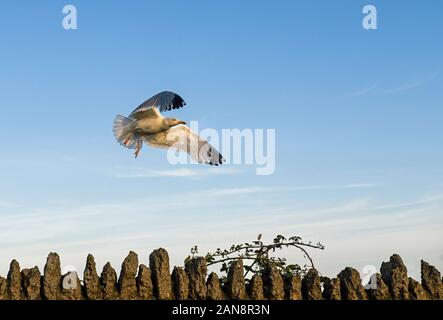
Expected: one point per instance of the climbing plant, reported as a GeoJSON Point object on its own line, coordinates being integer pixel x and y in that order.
{"type": "Point", "coordinates": [256, 255]}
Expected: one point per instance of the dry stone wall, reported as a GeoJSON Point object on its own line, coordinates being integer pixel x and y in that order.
{"type": "Point", "coordinates": [140, 282]}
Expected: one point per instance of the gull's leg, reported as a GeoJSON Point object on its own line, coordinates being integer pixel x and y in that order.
{"type": "Point", "coordinates": [126, 142]}
{"type": "Point", "coordinates": [137, 150]}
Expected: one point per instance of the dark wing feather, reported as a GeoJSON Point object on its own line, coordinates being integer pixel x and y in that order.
{"type": "Point", "coordinates": [164, 101]}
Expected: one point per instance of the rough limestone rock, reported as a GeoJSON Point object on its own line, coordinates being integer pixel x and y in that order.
{"type": "Point", "coordinates": [214, 289]}
{"type": "Point", "coordinates": [395, 274]}
{"type": "Point", "coordinates": [350, 285]}
{"type": "Point", "coordinates": [71, 287]}
{"type": "Point", "coordinates": [180, 283]}
{"type": "Point", "coordinates": [144, 283]}
{"type": "Point", "coordinates": [108, 279]}
{"type": "Point", "coordinates": [293, 287]}
{"type": "Point", "coordinates": [52, 277]}
{"type": "Point", "coordinates": [255, 288]}
{"type": "Point", "coordinates": [161, 278]}
{"type": "Point", "coordinates": [126, 282]}
{"type": "Point", "coordinates": [141, 282]}
{"type": "Point", "coordinates": [416, 291]}
{"type": "Point", "coordinates": [3, 289]}
{"type": "Point", "coordinates": [196, 270]}
{"type": "Point", "coordinates": [14, 281]}
{"type": "Point", "coordinates": [31, 283]}
{"type": "Point", "coordinates": [91, 280]}
{"type": "Point", "coordinates": [235, 287]}
{"type": "Point", "coordinates": [431, 280]}
{"type": "Point", "coordinates": [273, 283]}
{"type": "Point", "coordinates": [331, 289]}
{"type": "Point", "coordinates": [311, 286]}
{"type": "Point", "coordinates": [381, 292]}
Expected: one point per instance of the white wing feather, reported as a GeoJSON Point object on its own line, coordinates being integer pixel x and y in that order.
{"type": "Point", "coordinates": [181, 138]}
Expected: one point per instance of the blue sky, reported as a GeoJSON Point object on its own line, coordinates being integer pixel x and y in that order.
{"type": "Point", "coordinates": [357, 115]}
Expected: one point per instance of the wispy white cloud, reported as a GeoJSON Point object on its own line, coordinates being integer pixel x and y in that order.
{"type": "Point", "coordinates": [9, 205]}
{"type": "Point", "coordinates": [412, 84]}
{"type": "Point", "coordinates": [183, 172]}
{"type": "Point", "coordinates": [362, 92]}
{"type": "Point", "coordinates": [155, 203]}
{"type": "Point", "coordinates": [335, 187]}
{"type": "Point", "coordinates": [421, 201]}
{"type": "Point", "coordinates": [254, 189]}
{"type": "Point", "coordinates": [376, 89]}
{"type": "Point", "coordinates": [403, 87]}
{"type": "Point", "coordinates": [238, 191]}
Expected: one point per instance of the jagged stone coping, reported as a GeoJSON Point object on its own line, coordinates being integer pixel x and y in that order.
{"type": "Point", "coordinates": [140, 282]}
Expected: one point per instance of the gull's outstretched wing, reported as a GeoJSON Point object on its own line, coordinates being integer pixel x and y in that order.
{"type": "Point", "coordinates": [181, 138]}
{"type": "Point", "coordinates": [163, 101]}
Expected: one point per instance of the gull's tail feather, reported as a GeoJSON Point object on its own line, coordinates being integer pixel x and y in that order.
{"type": "Point", "coordinates": [123, 132]}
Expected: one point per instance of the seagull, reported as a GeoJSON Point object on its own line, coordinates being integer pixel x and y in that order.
{"type": "Point", "coordinates": [147, 125]}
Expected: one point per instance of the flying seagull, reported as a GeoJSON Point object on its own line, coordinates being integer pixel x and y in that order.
{"type": "Point", "coordinates": [147, 124]}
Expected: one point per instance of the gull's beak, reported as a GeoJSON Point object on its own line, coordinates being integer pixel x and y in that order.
{"type": "Point", "coordinates": [182, 122]}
